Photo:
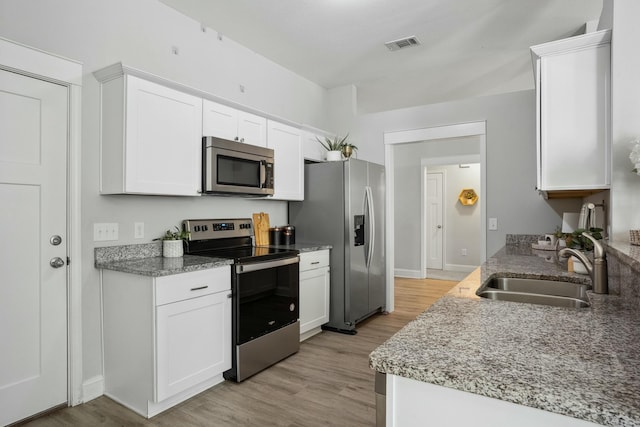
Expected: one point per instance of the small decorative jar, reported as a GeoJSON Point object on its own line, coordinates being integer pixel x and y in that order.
{"type": "Point", "coordinates": [634, 237]}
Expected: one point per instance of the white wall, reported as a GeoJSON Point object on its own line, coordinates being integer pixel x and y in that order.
{"type": "Point", "coordinates": [510, 150]}
{"type": "Point", "coordinates": [141, 34]}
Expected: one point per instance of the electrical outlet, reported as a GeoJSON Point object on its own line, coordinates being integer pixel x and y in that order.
{"type": "Point", "coordinates": [463, 251]}
{"type": "Point", "coordinates": [493, 224]}
{"type": "Point", "coordinates": [138, 230]}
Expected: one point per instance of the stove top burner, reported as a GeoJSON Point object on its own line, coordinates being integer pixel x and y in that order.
{"type": "Point", "coordinates": [230, 239]}
{"type": "Point", "coordinates": [249, 253]}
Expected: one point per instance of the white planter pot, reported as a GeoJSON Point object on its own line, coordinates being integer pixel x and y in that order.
{"type": "Point", "coordinates": [172, 248]}
{"type": "Point", "coordinates": [333, 156]}
{"type": "Point", "coordinates": [578, 267]}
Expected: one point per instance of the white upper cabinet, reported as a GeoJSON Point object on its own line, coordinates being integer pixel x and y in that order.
{"type": "Point", "coordinates": [286, 142]}
{"type": "Point", "coordinates": [573, 88]}
{"type": "Point", "coordinates": [236, 125]}
{"type": "Point", "coordinates": [151, 136]}
{"type": "Point", "coordinates": [311, 148]}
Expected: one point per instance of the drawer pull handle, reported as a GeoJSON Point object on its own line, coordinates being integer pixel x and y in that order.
{"type": "Point", "coordinates": [315, 262]}
{"type": "Point", "coordinates": [200, 287]}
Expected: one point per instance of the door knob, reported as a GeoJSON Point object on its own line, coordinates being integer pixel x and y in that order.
{"type": "Point", "coordinates": [56, 262]}
{"type": "Point", "coordinates": [439, 226]}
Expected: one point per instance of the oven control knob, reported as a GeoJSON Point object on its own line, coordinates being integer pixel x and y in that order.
{"type": "Point", "coordinates": [292, 307]}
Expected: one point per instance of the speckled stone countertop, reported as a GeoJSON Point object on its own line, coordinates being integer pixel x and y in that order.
{"type": "Point", "coordinates": [146, 259]}
{"type": "Point", "coordinates": [583, 363]}
{"type": "Point", "coordinates": [305, 247]}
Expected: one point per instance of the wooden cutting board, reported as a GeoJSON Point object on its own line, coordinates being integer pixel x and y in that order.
{"type": "Point", "coordinates": [261, 228]}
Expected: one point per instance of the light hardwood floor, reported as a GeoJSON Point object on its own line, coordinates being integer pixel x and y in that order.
{"type": "Point", "coordinates": [327, 383]}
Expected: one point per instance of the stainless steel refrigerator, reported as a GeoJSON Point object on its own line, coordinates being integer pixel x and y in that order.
{"type": "Point", "coordinates": [344, 206]}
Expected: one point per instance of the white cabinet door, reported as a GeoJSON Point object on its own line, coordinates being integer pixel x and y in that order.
{"type": "Point", "coordinates": [252, 129]}
{"type": "Point", "coordinates": [151, 136]}
{"type": "Point", "coordinates": [235, 125]}
{"type": "Point", "coordinates": [314, 298]}
{"type": "Point", "coordinates": [193, 339]}
{"type": "Point", "coordinates": [311, 148]}
{"type": "Point", "coordinates": [163, 132]}
{"type": "Point", "coordinates": [286, 142]}
{"type": "Point", "coordinates": [574, 86]}
{"type": "Point", "coordinates": [219, 120]}
{"type": "Point", "coordinates": [314, 291]}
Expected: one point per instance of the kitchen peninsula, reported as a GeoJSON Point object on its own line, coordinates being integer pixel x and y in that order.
{"type": "Point", "coordinates": [575, 366]}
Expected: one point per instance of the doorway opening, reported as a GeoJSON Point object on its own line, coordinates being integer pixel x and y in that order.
{"type": "Point", "coordinates": [452, 225]}
{"type": "Point", "coordinates": [405, 238]}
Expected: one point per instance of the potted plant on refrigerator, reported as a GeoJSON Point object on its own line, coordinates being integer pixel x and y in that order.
{"type": "Point", "coordinates": [348, 149]}
{"type": "Point", "coordinates": [333, 146]}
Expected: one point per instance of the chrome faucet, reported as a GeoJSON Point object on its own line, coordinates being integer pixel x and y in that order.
{"type": "Point", "coordinates": [597, 270]}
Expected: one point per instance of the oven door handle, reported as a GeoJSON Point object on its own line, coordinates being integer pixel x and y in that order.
{"type": "Point", "coordinates": [255, 266]}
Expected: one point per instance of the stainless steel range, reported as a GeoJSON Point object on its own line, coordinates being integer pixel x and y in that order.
{"type": "Point", "coordinates": [265, 292]}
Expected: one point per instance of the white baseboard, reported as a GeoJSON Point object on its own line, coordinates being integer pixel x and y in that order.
{"type": "Point", "coordinates": [92, 388]}
{"type": "Point", "coordinates": [460, 267]}
{"type": "Point", "coordinates": [409, 274]}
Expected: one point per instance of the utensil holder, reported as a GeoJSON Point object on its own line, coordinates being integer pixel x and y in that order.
{"type": "Point", "coordinates": [634, 237]}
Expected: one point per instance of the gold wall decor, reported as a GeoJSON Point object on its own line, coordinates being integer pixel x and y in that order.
{"type": "Point", "coordinates": [468, 197]}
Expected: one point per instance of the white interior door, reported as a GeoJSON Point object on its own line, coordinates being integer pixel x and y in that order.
{"type": "Point", "coordinates": [435, 226]}
{"type": "Point", "coordinates": [33, 293]}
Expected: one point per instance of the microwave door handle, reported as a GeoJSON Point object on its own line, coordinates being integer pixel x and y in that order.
{"type": "Point", "coordinates": [263, 174]}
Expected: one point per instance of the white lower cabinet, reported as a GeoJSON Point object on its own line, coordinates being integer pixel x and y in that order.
{"type": "Point", "coordinates": [314, 292]}
{"type": "Point", "coordinates": [410, 402]}
{"type": "Point", "coordinates": [166, 338]}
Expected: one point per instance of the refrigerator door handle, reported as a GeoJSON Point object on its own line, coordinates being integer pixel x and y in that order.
{"type": "Point", "coordinates": [371, 223]}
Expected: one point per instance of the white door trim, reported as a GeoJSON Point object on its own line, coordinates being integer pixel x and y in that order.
{"type": "Point", "coordinates": [36, 63]}
{"type": "Point", "coordinates": [420, 135]}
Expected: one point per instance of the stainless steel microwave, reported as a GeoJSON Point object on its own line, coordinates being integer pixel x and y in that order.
{"type": "Point", "coordinates": [235, 168]}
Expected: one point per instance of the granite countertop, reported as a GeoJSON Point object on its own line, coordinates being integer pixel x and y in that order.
{"type": "Point", "coordinates": [146, 259]}
{"type": "Point", "coordinates": [583, 363]}
{"type": "Point", "coordinates": [304, 247]}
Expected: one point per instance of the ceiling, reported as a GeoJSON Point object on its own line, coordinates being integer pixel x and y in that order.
{"type": "Point", "coordinates": [468, 48]}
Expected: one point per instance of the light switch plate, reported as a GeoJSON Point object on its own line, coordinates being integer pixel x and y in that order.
{"type": "Point", "coordinates": [493, 224]}
{"type": "Point", "coordinates": [105, 231]}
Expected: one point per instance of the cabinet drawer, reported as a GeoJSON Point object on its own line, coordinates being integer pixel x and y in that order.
{"type": "Point", "coordinates": [311, 260]}
{"type": "Point", "coordinates": [193, 284]}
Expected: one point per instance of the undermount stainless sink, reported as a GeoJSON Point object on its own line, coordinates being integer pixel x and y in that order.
{"type": "Point", "coordinates": [536, 291]}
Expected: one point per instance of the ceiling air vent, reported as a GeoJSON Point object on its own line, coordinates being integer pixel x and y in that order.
{"type": "Point", "coordinates": [402, 43]}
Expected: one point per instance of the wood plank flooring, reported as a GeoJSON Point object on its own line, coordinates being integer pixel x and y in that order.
{"type": "Point", "coordinates": [327, 383]}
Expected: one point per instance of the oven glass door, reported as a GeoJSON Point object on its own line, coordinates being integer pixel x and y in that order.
{"type": "Point", "coordinates": [267, 296]}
